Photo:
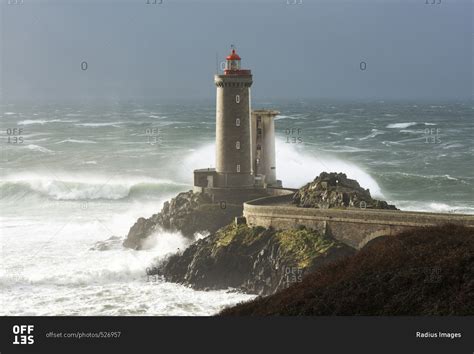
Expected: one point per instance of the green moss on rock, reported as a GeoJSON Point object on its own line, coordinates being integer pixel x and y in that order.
{"type": "Point", "coordinates": [238, 233]}
{"type": "Point", "coordinates": [303, 245]}
{"type": "Point", "coordinates": [253, 259]}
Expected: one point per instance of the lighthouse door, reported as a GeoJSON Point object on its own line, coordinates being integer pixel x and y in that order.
{"type": "Point", "coordinates": [210, 181]}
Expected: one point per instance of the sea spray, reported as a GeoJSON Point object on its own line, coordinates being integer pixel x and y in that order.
{"type": "Point", "coordinates": [294, 166]}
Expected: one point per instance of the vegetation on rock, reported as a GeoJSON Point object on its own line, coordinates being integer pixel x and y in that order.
{"type": "Point", "coordinates": [253, 259]}
{"type": "Point", "coordinates": [426, 271]}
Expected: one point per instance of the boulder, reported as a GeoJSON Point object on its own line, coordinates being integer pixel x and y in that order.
{"type": "Point", "coordinates": [335, 190]}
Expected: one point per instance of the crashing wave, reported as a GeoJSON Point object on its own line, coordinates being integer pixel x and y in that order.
{"type": "Point", "coordinates": [72, 190]}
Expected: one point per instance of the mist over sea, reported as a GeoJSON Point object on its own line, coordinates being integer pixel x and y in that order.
{"type": "Point", "coordinates": [75, 174]}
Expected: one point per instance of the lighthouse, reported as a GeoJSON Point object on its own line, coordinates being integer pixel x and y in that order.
{"type": "Point", "coordinates": [234, 166]}
{"type": "Point", "coordinates": [245, 141]}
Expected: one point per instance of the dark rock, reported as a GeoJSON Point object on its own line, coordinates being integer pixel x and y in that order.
{"type": "Point", "coordinates": [335, 190]}
{"type": "Point", "coordinates": [422, 272]}
{"type": "Point", "coordinates": [255, 260]}
{"type": "Point", "coordinates": [187, 213]}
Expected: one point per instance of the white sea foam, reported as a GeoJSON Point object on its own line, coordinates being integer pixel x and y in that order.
{"type": "Point", "coordinates": [165, 242]}
{"type": "Point", "coordinates": [112, 124]}
{"type": "Point", "coordinates": [38, 148]}
{"type": "Point", "coordinates": [77, 141]}
{"type": "Point", "coordinates": [44, 121]}
{"type": "Point", "coordinates": [49, 269]}
{"type": "Point", "coordinates": [446, 176]}
{"type": "Point", "coordinates": [342, 148]}
{"type": "Point", "coordinates": [200, 235]}
{"type": "Point", "coordinates": [84, 187]}
{"type": "Point", "coordinates": [401, 125]}
{"type": "Point", "coordinates": [433, 207]}
{"type": "Point", "coordinates": [282, 116]}
{"type": "Point", "coordinates": [408, 131]}
{"type": "Point", "coordinates": [373, 134]}
{"type": "Point", "coordinates": [390, 143]}
{"type": "Point", "coordinates": [453, 146]}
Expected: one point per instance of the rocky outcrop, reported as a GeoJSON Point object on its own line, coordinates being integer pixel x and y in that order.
{"type": "Point", "coordinates": [421, 272]}
{"type": "Point", "coordinates": [335, 190]}
{"type": "Point", "coordinates": [188, 213]}
{"type": "Point", "coordinates": [255, 260]}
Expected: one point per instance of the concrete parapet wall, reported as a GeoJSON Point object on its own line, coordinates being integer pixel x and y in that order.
{"type": "Point", "coordinates": [354, 227]}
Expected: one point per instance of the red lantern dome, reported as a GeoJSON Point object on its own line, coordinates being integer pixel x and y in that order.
{"type": "Point", "coordinates": [232, 65]}
{"type": "Point", "coordinates": [233, 56]}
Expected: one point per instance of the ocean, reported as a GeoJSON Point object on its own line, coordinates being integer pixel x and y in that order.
{"type": "Point", "coordinates": [74, 174]}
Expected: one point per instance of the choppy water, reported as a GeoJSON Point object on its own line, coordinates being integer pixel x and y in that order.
{"type": "Point", "coordinates": [75, 174]}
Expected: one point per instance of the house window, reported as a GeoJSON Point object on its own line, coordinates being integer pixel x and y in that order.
{"type": "Point", "coordinates": [238, 168]}
{"type": "Point", "coordinates": [237, 145]}
{"type": "Point", "coordinates": [237, 98]}
{"type": "Point", "coordinates": [237, 122]}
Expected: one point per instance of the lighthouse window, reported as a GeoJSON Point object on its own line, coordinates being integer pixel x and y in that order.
{"type": "Point", "coordinates": [238, 168]}
{"type": "Point", "coordinates": [237, 122]}
{"type": "Point", "coordinates": [237, 98]}
{"type": "Point", "coordinates": [237, 145]}
{"type": "Point", "coordinates": [259, 147]}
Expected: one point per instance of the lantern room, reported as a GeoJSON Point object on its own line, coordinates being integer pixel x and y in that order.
{"type": "Point", "coordinates": [232, 61]}
{"type": "Point", "coordinates": [232, 65]}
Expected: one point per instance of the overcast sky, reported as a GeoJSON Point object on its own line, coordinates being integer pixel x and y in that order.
{"type": "Point", "coordinates": [133, 50]}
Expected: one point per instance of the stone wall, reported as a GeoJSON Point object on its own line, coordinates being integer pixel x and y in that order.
{"type": "Point", "coordinates": [354, 227]}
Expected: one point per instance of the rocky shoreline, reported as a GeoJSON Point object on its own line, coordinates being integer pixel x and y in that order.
{"type": "Point", "coordinates": [188, 213]}
{"type": "Point", "coordinates": [255, 260]}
